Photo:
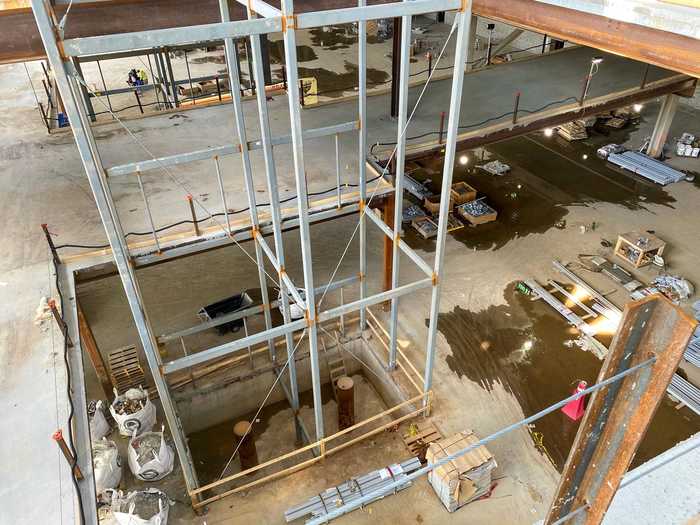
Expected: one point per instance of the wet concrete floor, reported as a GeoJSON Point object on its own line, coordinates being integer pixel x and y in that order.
{"type": "Point", "coordinates": [547, 176]}
{"type": "Point", "coordinates": [521, 345]}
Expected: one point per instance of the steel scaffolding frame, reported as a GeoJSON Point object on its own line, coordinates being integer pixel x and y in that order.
{"type": "Point", "coordinates": [59, 53]}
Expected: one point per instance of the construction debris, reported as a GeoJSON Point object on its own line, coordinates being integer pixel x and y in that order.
{"type": "Point", "coordinates": [107, 466]}
{"type": "Point", "coordinates": [133, 412]}
{"type": "Point", "coordinates": [477, 212]}
{"type": "Point", "coordinates": [412, 212]}
{"type": "Point", "coordinates": [688, 146]}
{"type": "Point", "coordinates": [465, 478]}
{"type": "Point", "coordinates": [353, 489]}
{"type": "Point", "coordinates": [145, 507]}
{"type": "Point", "coordinates": [575, 130]}
{"type": "Point", "coordinates": [419, 437]}
{"type": "Point", "coordinates": [495, 167]}
{"type": "Point", "coordinates": [676, 288]}
{"type": "Point", "coordinates": [425, 226]}
{"type": "Point", "coordinates": [99, 427]}
{"type": "Point", "coordinates": [150, 457]}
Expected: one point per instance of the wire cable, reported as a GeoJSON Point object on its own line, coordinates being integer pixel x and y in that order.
{"type": "Point", "coordinates": [290, 357]}
{"type": "Point", "coordinates": [176, 180]}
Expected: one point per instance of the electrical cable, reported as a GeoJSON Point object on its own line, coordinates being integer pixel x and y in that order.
{"type": "Point", "coordinates": [81, 80]}
{"type": "Point", "coordinates": [218, 214]}
{"type": "Point", "coordinates": [71, 411]}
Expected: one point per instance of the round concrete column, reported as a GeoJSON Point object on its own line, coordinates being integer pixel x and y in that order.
{"type": "Point", "coordinates": [246, 451]}
{"type": "Point", "coordinates": [346, 402]}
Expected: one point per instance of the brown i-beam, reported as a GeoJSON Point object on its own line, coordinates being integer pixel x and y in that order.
{"type": "Point", "coordinates": [618, 415]}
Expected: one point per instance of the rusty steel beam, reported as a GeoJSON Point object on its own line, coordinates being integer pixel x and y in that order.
{"type": "Point", "coordinates": [618, 416]}
{"type": "Point", "coordinates": [505, 129]}
{"type": "Point", "coordinates": [19, 38]}
{"type": "Point", "coordinates": [660, 48]}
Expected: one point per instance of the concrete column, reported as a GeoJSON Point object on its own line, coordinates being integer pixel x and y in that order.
{"type": "Point", "coordinates": [472, 43]}
{"type": "Point", "coordinates": [662, 126]}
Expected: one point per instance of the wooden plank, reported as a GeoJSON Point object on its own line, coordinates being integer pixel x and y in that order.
{"type": "Point", "coordinates": [88, 343]}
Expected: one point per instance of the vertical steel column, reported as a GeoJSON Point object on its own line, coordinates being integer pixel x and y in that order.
{"type": "Point", "coordinates": [463, 33]}
{"type": "Point", "coordinates": [234, 85]}
{"type": "Point", "coordinates": [105, 205]}
{"type": "Point", "coordinates": [362, 153]}
{"type": "Point", "coordinates": [85, 92]}
{"type": "Point", "coordinates": [256, 62]}
{"type": "Point", "coordinates": [395, 50]}
{"type": "Point", "coordinates": [290, 52]}
{"type": "Point", "coordinates": [400, 163]}
{"type": "Point", "coordinates": [471, 49]}
{"type": "Point", "coordinates": [173, 85]}
{"type": "Point", "coordinates": [663, 124]}
{"type": "Point", "coordinates": [618, 416]}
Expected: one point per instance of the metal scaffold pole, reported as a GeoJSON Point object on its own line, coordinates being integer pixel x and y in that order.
{"type": "Point", "coordinates": [274, 199]}
{"type": "Point", "coordinates": [94, 169]}
{"type": "Point", "coordinates": [362, 152]}
{"type": "Point", "coordinates": [234, 83]}
{"type": "Point", "coordinates": [463, 19]}
{"type": "Point", "coordinates": [290, 52]}
{"type": "Point", "coordinates": [399, 162]}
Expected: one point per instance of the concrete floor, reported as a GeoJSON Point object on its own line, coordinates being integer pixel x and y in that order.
{"type": "Point", "coordinates": [42, 181]}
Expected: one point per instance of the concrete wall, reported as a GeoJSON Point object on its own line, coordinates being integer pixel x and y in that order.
{"type": "Point", "coordinates": [209, 405]}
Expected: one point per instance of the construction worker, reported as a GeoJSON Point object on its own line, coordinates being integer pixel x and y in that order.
{"type": "Point", "coordinates": [143, 77]}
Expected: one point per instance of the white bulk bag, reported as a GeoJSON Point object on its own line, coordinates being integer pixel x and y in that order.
{"type": "Point", "coordinates": [127, 510]}
{"type": "Point", "coordinates": [107, 466]}
{"type": "Point", "coordinates": [150, 457]}
{"type": "Point", "coordinates": [137, 422]}
{"type": "Point", "coordinates": [99, 427]}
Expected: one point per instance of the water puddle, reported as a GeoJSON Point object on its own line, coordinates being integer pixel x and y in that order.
{"type": "Point", "coordinates": [521, 345]}
{"type": "Point", "coordinates": [332, 84]}
{"type": "Point", "coordinates": [276, 49]}
{"type": "Point", "coordinates": [547, 177]}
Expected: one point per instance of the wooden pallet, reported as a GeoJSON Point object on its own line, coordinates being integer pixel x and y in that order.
{"type": "Point", "coordinates": [419, 437]}
{"type": "Point", "coordinates": [125, 369]}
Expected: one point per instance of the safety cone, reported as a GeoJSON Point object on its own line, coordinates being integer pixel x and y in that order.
{"type": "Point", "coordinates": [575, 409]}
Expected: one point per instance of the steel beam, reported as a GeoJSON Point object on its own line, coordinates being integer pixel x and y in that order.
{"type": "Point", "coordinates": [400, 165]}
{"type": "Point", "coordinates": [405, 248]}
{"type": "Point", "coordinates": [236, 103]}
{"type": "Point", "coordinates": [273, 194]}
{"type": "Point", "coordinates": [464, 19]}
{"type": "Point", "coordinates": [20, 41]}
{"type": "Point", "coordinates": [294, 326]}
{"type": "Point", "coordinates": [260, 8]}
{"type": "Point", "coordinates": [253, 310]}
{"type": "Point", "coordinates": [374, 12]}
{"type": "Point", "coordinates": [559, 115]}
{"type": "Point", "coordinates": [96, 176]}
{"type": "Point", "coordinates": [290, 54]}
{"type": "Point", "coordinates": [362, 155]}
{"type": "Point", "coordinates": [222, 151]}
{"type": "Point", "coordinates": [617, 417]}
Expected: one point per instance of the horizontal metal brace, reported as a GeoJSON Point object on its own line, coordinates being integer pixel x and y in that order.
{"type": "Point", "coordinates": [405, 248]}
{"type": "Point", "coordinates": [240, 344]}
{"type": "Point", "coordinates": [374, 12]}
{"type": "Point", "coordinates": [96, 45]}
{"type": "Point", "coordinates": [253, 310]}
{"type": "Point", "coordinates": [222, 151]}
{"type": "Point", "coordinates": [291, 288]}
{"type": "Point", "coordinates": [261, 8]}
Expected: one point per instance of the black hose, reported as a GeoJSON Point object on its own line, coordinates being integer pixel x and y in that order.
{"type": "Point", "coordinates": [71, 412]}
{"type": "Point", "coordinates": [211, 216]}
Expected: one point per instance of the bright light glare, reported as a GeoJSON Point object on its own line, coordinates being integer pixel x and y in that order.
{"type": "Point", "coordinates": [638, 107]}
{"type": "Point", "coordinates": [607, 323]}
{"type": "Point", "coordinates": [463, 160]}
{"type": "Point", "coordinates": [548, 132]}
{"type": "Point", "coordinates": [584, 156]}
{"type": "Point", "coordinates": [527, 345]}
{"type": "Point", "coordinates": [578, 294]}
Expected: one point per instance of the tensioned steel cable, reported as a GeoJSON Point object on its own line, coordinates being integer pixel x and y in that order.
{"type": "Point", "coordinates": [177, 181]}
